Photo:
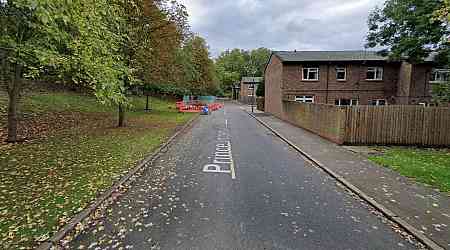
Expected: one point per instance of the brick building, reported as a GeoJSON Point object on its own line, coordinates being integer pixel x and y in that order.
{"type": "Point", "coordinates": [248, 89]}
{"type": "Point", "coordinates": [346, 78]}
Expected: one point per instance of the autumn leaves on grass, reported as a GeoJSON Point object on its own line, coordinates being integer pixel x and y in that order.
{"type": "Point", "coordinates": [73, 156]}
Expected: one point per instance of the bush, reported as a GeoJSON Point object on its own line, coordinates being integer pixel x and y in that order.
{"type": "Point", "coordinates": [260, 91]}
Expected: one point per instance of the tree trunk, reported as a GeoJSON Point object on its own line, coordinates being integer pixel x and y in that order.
{"type": "Point", "coordinates": [121, 116]}
{"type": "Point", "coordinates": [13, 94]}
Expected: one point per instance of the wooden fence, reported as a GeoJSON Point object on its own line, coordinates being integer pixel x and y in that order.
{"type": "Point", "coordinates": [403, 125]}
{"type": "Point", "coordinates": [324, 120]}
{"type": "Point", "coordinates": [367, 125]}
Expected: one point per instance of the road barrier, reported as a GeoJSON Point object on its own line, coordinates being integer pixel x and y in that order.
{"type": "Point", "coordinates": [196, 107]}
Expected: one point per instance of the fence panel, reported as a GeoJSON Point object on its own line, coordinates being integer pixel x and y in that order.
{"type": "Point", "coordinates": [403, 125]}
{"type": "Point", "coordinates": [327, 121]}
{"type": "Point", "coordinates": [366, 125]}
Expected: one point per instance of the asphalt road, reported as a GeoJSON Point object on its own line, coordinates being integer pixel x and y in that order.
{"type": "Point", "coordinates": [260, 194]}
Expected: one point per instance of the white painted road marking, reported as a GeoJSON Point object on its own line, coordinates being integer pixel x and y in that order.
{"type": "Point", "coordinates": [223, 157]}
{"type": "Point", "coordinates": [213, 168]}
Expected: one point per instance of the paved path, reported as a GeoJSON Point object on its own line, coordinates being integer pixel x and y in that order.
{"type": "Point", "coordinates": [273, 199]}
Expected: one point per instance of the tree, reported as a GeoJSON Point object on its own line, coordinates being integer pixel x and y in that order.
{"type": "Point", "coordinates": [76, 41]}
{"type": "Point", "coordinates": [258, 60]}
{"type": "Point", "coordinates": [204, 80]}
{"type": "Point", "coordinates": [164, 67]}
{"type": "Point", "coordinates": [444, 12]}
{"type": "Point", "coordinates": [234, 64]}
{"type": "Point", "coordinates": [106, 45]}
{"type": "Point", "coordinates": [441, 93]}
{"type": "Point", "coordinates": [406, 28]}
{"type": "Point", "coordinates": [227, 78]}
{"type": "Point", "coordinates": [166, 36]}
{"type": "Point", "coordinates": [231, 66]}
{"type": "Point", "coordinates": [33, 36]}
{"type": "Point", "coordinates": [97, 58]}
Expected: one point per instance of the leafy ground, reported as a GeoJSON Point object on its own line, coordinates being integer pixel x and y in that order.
{"type": "Point", "coordinates": [429, 166]}
{"type": "Point", "coordinates": [73, 151]}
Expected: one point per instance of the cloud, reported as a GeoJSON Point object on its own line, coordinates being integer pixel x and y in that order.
{"type": "Point", "coordinates": [281, 24]}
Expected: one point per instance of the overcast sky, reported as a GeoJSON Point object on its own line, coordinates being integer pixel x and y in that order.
{"type": "Point", "coordinates": [281, 24]}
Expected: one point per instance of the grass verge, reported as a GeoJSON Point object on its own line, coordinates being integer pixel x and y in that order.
{"type": "Point", "coordinates": [428, 166]}
{"type": "Point", "coordinates": [75, 153]}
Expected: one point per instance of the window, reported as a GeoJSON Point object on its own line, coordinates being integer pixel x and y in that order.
{"type": "Point", "coordinates": [346, 102]}
{"type": "Point", "coordinates": [341, 73]}
{"type": "Point", "coordinates": [310, 74]}
{"type": "Point", "coordinates": [251, 86]}
{"type": "Point", "coordinates": [440, 75]}
{"type": "Point", "coordinates": [374, 73]}
{"type": "Point", "coordinates": [305, 98]}
{"type": "Point", "coordinates": [378, 102]}
{"type": "Point", "coordinates": [250, 93]}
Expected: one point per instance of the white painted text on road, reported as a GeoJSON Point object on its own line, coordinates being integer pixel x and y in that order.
{"type": "Point", "coordinates": [223, 157]}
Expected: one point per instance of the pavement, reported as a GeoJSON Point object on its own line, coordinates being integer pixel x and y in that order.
{"type": "Point", "coordinates": [230, 183]}
{"type": "Point", "coordinates": [426, 209]}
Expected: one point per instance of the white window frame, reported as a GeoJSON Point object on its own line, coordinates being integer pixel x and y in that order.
{"type": "Point", "coordinates": [304, 98]}
{"type": "Point", "coordinates": [378, 73]}
{"type": "Point", "coordinates": [340, 69]}
{"type": "Point", "coordinates": [250, 94]}
{"type": "Point", "coordinates": [310, 70]}
{"type": "Point", "coordinates": [438, 76]}
{"type": "Point", "coordinates": [353, 102]}
{"type": "Point", "coordinates": [377, 102]}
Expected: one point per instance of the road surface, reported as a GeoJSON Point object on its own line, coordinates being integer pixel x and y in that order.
{"type": "Point", "coordinates": [229, 183]}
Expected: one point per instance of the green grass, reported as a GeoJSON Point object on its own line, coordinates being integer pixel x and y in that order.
{"type": "Point", "coordinates": [48, 180]}
{"type": "Point", "coordinates": [429, 166]}
{"type": "Point", "coordinates": [63, 102]}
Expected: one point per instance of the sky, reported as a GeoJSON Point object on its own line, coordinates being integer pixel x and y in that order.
{"type": "Point", "coordinates": [281, 24]}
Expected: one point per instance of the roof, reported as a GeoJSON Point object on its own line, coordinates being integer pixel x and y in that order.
{"type": "Point", "coordinates": [252, 79]}
{"type": "Point", "coordinates": [316, 56]}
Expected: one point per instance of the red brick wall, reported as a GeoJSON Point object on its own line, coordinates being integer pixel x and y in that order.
{"type": "Point", "coordinates": [355, 87]}
{"type": "Point", "coordinates": [414, 84]}
{"type": "Point", "coordinates": [420, 84]}
{"type": "Point", "coordinates": [273, 83]}
{"type": "Point", "coordinates": [244, 93]}
{"type": "Point", "coordinates": [402, 83]}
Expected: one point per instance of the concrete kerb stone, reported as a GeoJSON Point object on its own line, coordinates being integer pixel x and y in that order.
{"type": "Point", "coordinates": [385, 211]}
{"type": "Point", "coordinates": [58, 236]}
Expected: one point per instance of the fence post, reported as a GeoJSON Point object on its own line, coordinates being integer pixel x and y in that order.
{"type": "Point", "coordinates": [342, 121]}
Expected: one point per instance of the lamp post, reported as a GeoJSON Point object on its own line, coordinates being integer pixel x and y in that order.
{"type": "Point", "coordinates": [254, 96]}
{"type": "Point", "coordinates": [147, 106]}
